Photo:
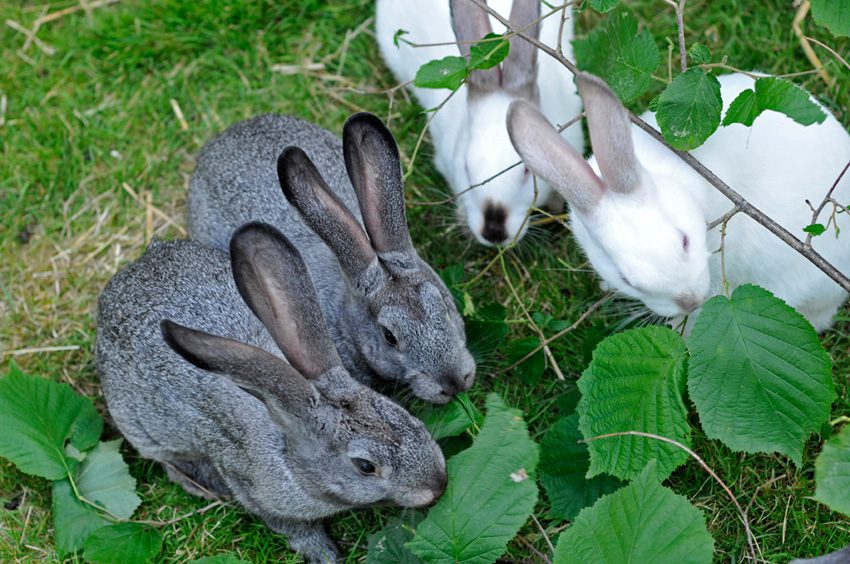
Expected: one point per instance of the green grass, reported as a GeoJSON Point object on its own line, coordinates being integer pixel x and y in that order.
{"type": "Point", "coordinates": [90, 135]}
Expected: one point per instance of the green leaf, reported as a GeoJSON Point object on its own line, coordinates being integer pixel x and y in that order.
{"type": "Point", "coordinates": [635, 382]}
{"type": "Point", "coordinates": [73, 520]}
{"type": "Point", "coordinates": [689, 109]}
{"type": "Point", "coordinates": [775, 94]}
{"type": "Point", "coordinates": [564, 462]}
{"type": "Point", "coordinates": [485, 335]}
{"type": "Point", "coordinates": [104, 479]}
{"type": "Point", "coordinates": [832, 14]}
{"type": "Point", "coordinates": [448, 72]}
{"type": "Point", "coordinates": [642, 522]}
{"type": "Point", "coordinates": [815, 229]}
{"type": "Point", "coordinates": [758, 374]}
{"type": "Point", "coordinates": [490, 494]}
{"type": "Point", "coordinates": [453, 418]}
{"type": "Point", "coordinates": [38, 416]}
{"type": "Point", "coordinates": [488, 52]}
{"type": "Point", "coordinates": [832, 473]}
{"type": "Point", "coordinates": [532, 369]}
{"type": "Point", "coordinates": [128, 543]}
{"type": "Point", "coordinates": [603, 6]}
{"type": "Point", "coordinates": [743, 109]}
{"type": "Point", "coordinates": [398, 34]}
{"type": "Point", "coordinates": [699, 54]}
{"type": "Point", "coordinates": [621, 56]}
{"type": "Point", "coordinates": [387, 545]}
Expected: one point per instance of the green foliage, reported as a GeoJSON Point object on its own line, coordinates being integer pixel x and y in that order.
{"type": "Point", "coordinates": [448, 72]}
{"type": "Point", "coordinates": [758, 375]}
{"type": "Point", "coordinates": [105, 480]}
{"type": "Point", "coordinates": [532, 369]}
{"type": "Point", "coordinates": [635, 382]}
{"type": "Point", "coordinates": [775, 94]}
{"type": "Point", "coordinates": [453, 418]}
{"type": "Point", "coordinates": [398, 35]}
{"type": "Point", "coordinates": [621, 56]}
{"type": "Point", "coordinates": [488, 52]}
{"type": "Point", "coordinates": [815, 229]}
{"type": "Point", "coordinates": [699, 54]}
{"type": "Point", "coordinates": [564, 462]}
{"type": "Point", "coordinates": [832, 473]}
{"type": "Point", "coordinates": [387, 545]}
{"type": "Point", "coordinates": [603, 5]}
{"type": "Point", "coordinates": [490, 494]}
{"type": "Point", "coordinates": [689, 109]}
{"type": "Point", "coordinates": [73, 519]}
{"type": "Point", "coordinates": [642, 522]}
{"type": "Point", "coordinates": [128, 543]}
{"type": "Point", "coordinates": [226, 558]}
{"type": "Point", "coordinates": [38, 417]}
{"type": "Point", "coordinates": [833, 15]}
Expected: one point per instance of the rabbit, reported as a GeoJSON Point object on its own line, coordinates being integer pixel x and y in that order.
{"type": "Point", "coordinates": [471, 144]}
{"type": "Point", "coordinates": [640, 213]}
{"type": "Point", "coordinates": [389, 314]}
{"type": "Point", "coordinates": [838, 557]}
{"type": "Point", "coordinates": [195, 378]}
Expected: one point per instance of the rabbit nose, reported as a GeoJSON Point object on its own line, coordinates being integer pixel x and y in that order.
{"type": "Point", "coordinates": [688, 303]}
{"type": "Point", "coordinates": [455, 383]}
{"type": "Point", "coordinates": [495, 223]}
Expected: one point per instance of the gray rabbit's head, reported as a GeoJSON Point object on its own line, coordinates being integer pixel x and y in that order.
{"type": "Point", "coordinates": [345, 444]}
{"type": "Point", "coordinates": [407, 328]}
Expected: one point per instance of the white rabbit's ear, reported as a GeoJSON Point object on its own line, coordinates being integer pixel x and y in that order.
{"type": "Point", "coordinates": [374, 167]}
{"type": "Point", "coordinates": [550, 157]}
{"type": "Point", "coordinates": [304, 188]}
{"type": "Point", "coordinates": [610, 134]}
{"type": "Point", "coordinates": [264, 375]}
{"type": "Point", "coordinates": [273, 280]}
{"type": "Point", "coordinates": [470, 23]}
{"type": "Point", "coordinates": [519, 70]}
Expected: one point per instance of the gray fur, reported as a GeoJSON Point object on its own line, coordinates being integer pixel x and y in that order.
{"type": "Point", "coordinates": [839, 557]}
{"type": "Point", "coordinates": [364, 284]}
{"type": "Point", "coordinates": [519, 69]}
{"type": "Point", "coordinates": [277, 441]}
{"type": "Point", "coordinates": [470, 23]}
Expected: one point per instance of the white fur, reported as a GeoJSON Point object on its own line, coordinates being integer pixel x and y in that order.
{"type": "Point", "coordinates": [776, 165]}
{"type": "Point", "coordinates": [471, 143]}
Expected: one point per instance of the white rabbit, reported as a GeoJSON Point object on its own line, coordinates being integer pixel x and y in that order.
{"type": "Point", "coordinates": [470, 141]}
{"type": "Point", "coordinates": [640, 213]}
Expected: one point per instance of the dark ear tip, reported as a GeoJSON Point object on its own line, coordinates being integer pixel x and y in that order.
{"type": "Point", "coordinates": [255, 233]}
{"type": "Point", "coordinates": [590, 82]}
{"type": "Point", "coordinates": [361, 119]}
{"type": "Point", "coordinates": [166, 328]}
{"type": "Point", "coordinates": [362, 124]}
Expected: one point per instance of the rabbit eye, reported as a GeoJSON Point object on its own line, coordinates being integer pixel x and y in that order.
{"type": "Point", "coordinates": [389, 337]}
{"type": "Point", "coordinates": [364, 466]}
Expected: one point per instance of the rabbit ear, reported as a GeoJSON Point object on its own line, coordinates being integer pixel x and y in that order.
{"type": "Point", "coordinates": [519, 70]}
{"type": "Point", "coordinates": [550, 157]}
{"type": "Point", "coordinates": [610, 134]}
{"type": "Point", "coordinates": [273, 281]}
{"type": "Point", "coordinates": [307, 191]}
{"type": "Point", "coordinates": [374, 167]}
{"type": "Point", "coordinates": [470, 23]}
{"type": "Point", "coordinates": [253, 369]}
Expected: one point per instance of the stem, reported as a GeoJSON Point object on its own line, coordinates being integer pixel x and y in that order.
{"type": "Point", "coordinates": [743, 514]}
{"type": "Point", "coordinates": [826, 199]}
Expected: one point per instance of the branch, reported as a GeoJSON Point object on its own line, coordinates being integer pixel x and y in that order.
{"type": "Point", "coordinates": [706, 467]}
{"type": "Point", "coordinates": [746, 207]}
{"type": "Point", "coordinates": [680, 27]}
{"type": "Point", "coordinates": [826, 199]}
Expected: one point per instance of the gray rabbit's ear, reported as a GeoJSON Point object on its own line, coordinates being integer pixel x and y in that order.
{"type": "Point", "coordinates": [262, 374]}
{"type": "Point", "coordinates": [470, 23]}
{"type": "Point", "coordinates": [374, 167]}
{"type": "Point", "coordinates": [323, 212]}
{"type": "Point", "coordinates": [550, 157]}
{"type": "Point", "coordinates": [610, 134]}
{"type": "Point", "coordinates": [519, 70]}
{"type": "Point", "coordinates": [273, 280]}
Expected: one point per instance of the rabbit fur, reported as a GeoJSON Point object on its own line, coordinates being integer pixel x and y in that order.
{"type": "Point", "coordinates": [389, 314]}
{"type": "Point", "coordinates": [471, 144]}
{"type": "Point", "coordinates": [640, 213]}
{"type": "Point", "coordinates": [227, 415]}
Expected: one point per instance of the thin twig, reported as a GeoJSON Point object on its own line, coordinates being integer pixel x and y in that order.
{"type": "Point", "coordinates": [802, 11]}
{"type": "Point", "coordinates": [543, 532]}
{"type": "Point", "coordinates": [756, 214]}
{"type": "Point", "coordinates": [34, 350]}
{"type": "Point", "coordinates": [723, 218]}
{"type": "Point", "coordinates": [680, 27]}
{"type": "Point", "coordinates": [826, 199]}
{"type": "Point", "coordinates": [832, 51]}
{"type": "Point", "coordinates": [560, 333]}
{"type": "Point", "coordinates": [202, 510]}
{"type": "Point", "coordinates": [751, 541]}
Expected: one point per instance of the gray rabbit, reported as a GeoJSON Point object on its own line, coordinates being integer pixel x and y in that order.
{"type": "Point", "coordinates": [388, 312]}
{"type": "Point", "coordinates": [293, 443]}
